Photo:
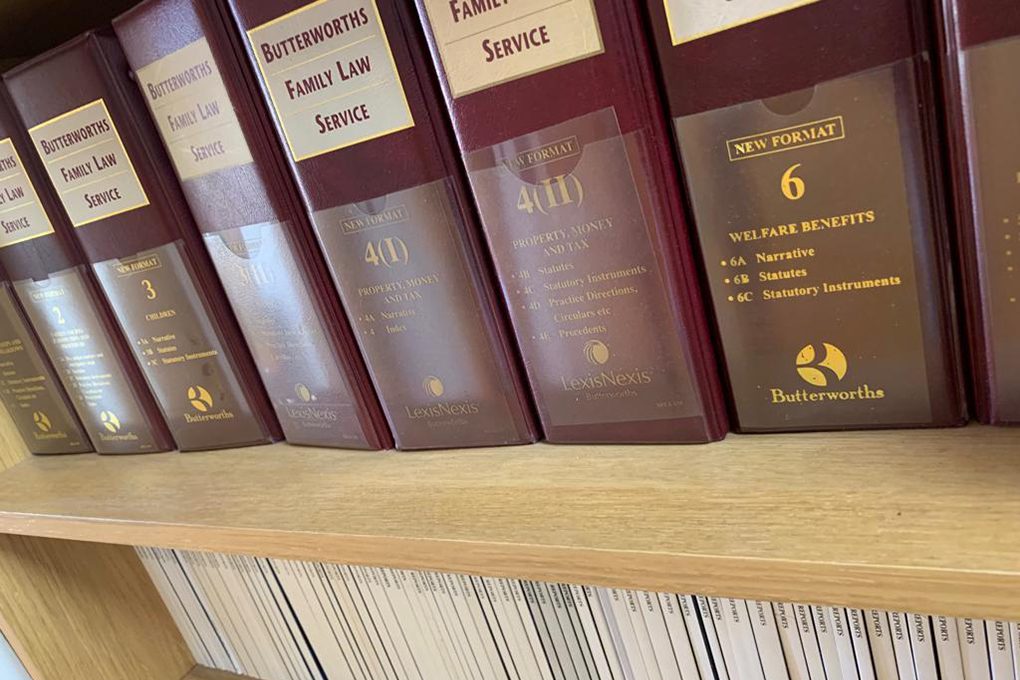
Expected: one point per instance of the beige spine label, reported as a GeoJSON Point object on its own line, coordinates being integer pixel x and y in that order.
{"type": "Point", "coordinates": [88, 165]}
{"type": "Point", "coordinates": [331, 76]}
{"type": "Point", "coordinates": [489, 42]}
{"type": "Point", "coordinates": [189, 102]}
{"type": "Point", "coordinates": [21, 215]}
{"type": "Point", "coordinates": [692, 19]}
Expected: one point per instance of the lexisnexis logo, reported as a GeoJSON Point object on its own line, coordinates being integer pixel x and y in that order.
{"type": "Point", "coordinates": [308, 408]}
{"type": "Point", "coordinates": [824, 367]}
{"type": "Point", "coordinates": [434, 388]}
{"type": "Point", "coordinates": [304, 393]}
{"type": "Point", "coordinates": [597, 353]}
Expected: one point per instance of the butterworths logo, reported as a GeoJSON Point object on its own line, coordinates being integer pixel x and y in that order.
{"type": "Point", "coordinates": [824, 368]}
{"type": "Point", "coordinates": [142, 263]}
{"type": "Point", "coordinates": [554, 151]}
{"type": "Point", "coordinates": [44, 428]}
{"type": "Point", "coordinates": [111, 423]}
{"type": "Point", "coordinates": [202, 401]}
{"type": "Point", "coordinates": [222, 414]}
{"type": "Point", "coordinates": [42, 421]}
{"type": "Point", "coordinates": [129, 437]}
{"type": "Point", "coordinates": [786, 139]}
{"type": "Point", "coordinates": [394, 215]}
{"type": "Point", "coordinates": [49, 436]}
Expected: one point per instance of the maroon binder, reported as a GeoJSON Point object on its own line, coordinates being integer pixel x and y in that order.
{"type": "Point", "coordinates": [556, 113]}
{"type": "Point", "coordinates": [253, 226]}
{"type": "Point", "coordinates": [63, 303]}
{"type": "Point", "coordinates": [96, 145]}
{"type": "Point", "coordinates": [808, 143]}
{"type": "Point", "coordinates": [29, 387]}
{"type": "Point", "coordinates": [379, 176]}
{"type": "Point", "coordinates": [981, 51]}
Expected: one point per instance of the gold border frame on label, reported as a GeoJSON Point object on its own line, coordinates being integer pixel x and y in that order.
{"type": "Point", "coordinates": [750, 20]}
{"type": "Point", "coordinates": [842, 136]}
{"type": "Point", "coordinates": [167, 144]}
{"type": "Point", "coordinates": [35, 196]}
{"type": "Point", "coordinates": [539, 69]}
{"type": "Point", "coordinates": [127, 157]}
{"type": "Point", "coordinates": [279, 116]}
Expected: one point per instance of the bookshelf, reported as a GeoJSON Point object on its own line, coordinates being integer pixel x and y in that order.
{"type": "Point", "coordinates": [912, 520]}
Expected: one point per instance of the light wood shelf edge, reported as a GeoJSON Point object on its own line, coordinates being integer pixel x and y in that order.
{"type": "Point", "coordinates": [914, 521]}
{"type": "Point", "coordinates": [981, 594]}
{"type": "Point", "coordinates": [203, 673]}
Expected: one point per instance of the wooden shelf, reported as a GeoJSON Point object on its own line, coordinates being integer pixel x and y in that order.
{"type": "Point", "coordinates": [915, 520]}
{"type": "Point", "coordinates": [202, 673]}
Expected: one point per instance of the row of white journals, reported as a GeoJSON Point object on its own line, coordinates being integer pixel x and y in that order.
{"type": "Point", "coordinates": [284, 620]}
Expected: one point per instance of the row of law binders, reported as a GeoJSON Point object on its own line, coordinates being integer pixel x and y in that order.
{"type": "Point", "coordinates": [434, 224]}
{"type": "Point", "coordinates": [274, 619]}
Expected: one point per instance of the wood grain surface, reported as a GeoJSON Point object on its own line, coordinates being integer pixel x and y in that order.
{"type": "Point", "coordinates": [12, 447]}
{"type": "Point", "coordinates": [202, 673]}
{"type": "Point", "coordinates": [913, 520]}
{"type": "Point", "coordinates": [81, 610]}
{"type": "Point", "coordinates": [86, 610]}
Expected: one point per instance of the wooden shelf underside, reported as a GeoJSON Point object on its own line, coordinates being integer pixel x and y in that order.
{"type": "Point", "coordinates": [913, 520]}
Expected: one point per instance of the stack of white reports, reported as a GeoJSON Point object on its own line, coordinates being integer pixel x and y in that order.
{"type": "Point", "coordinates": [284, 620]}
